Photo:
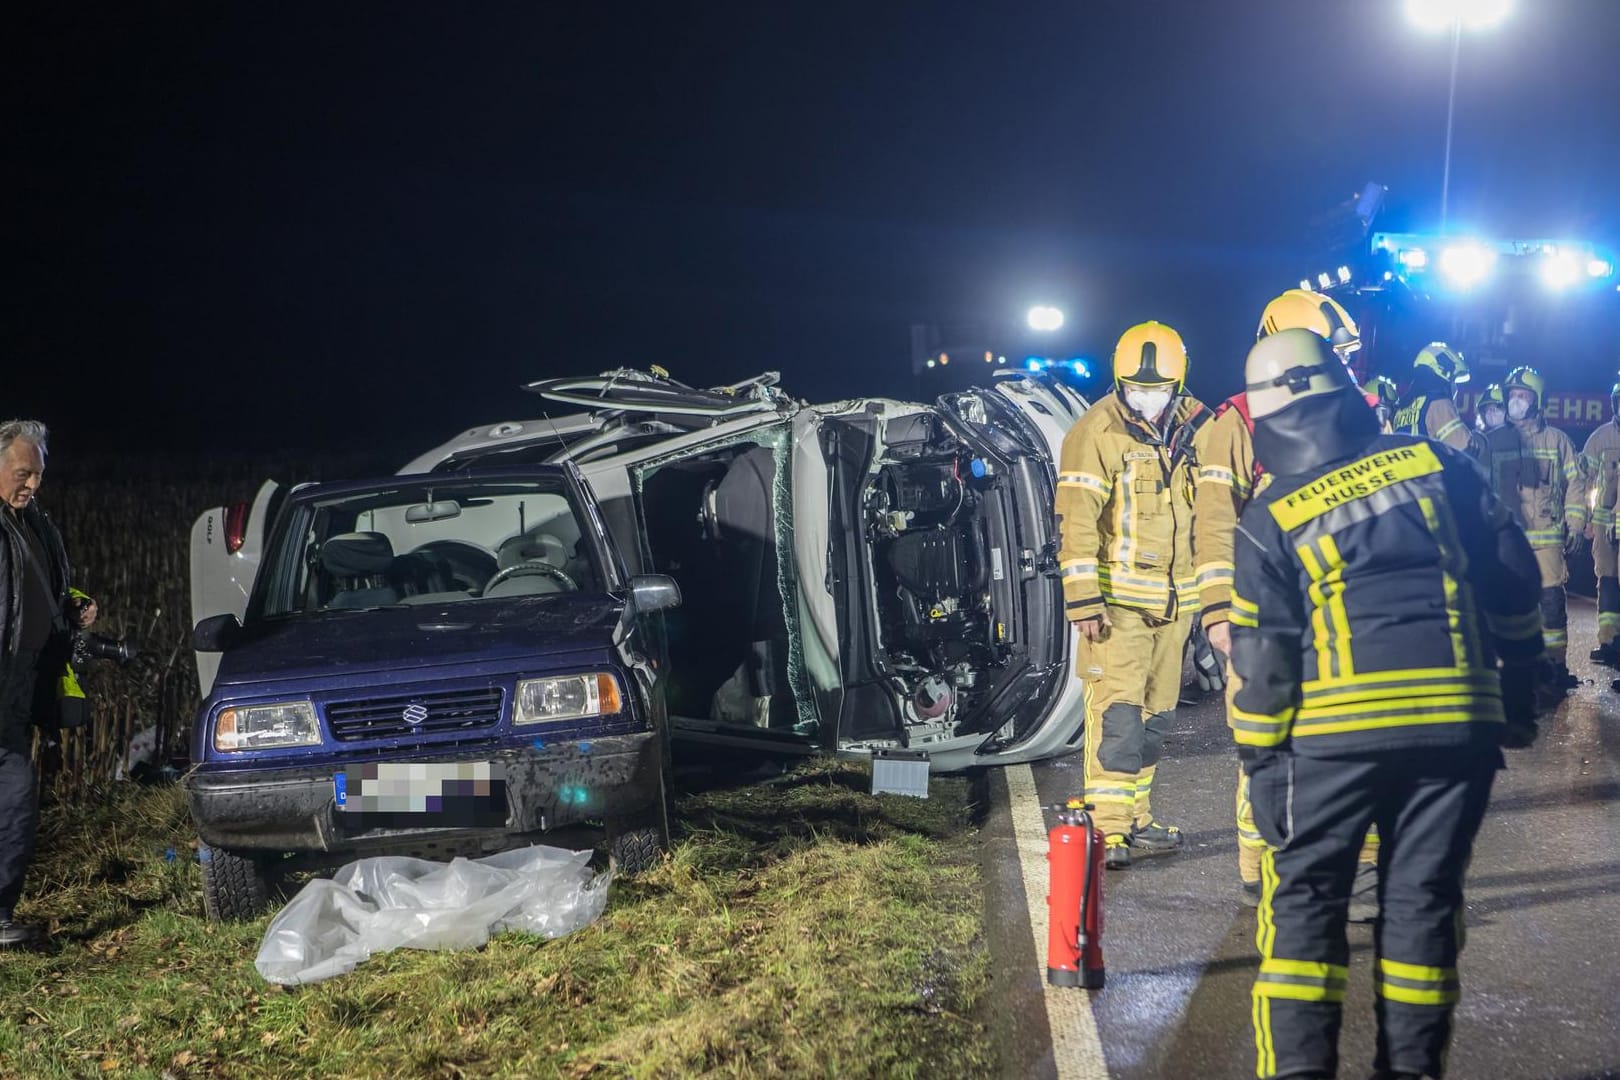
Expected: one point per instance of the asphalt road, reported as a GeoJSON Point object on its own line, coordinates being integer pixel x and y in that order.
{"type": "Point", "coordinates": [1541, 971]}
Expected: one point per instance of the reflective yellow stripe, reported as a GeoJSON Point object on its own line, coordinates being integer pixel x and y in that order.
{"type": "Point", "coordinates": [1305, 728]}
{"type": "Point", "coordinates": [1301, 980]}
{"type": "Point", "coordinates": [1461, 618]}
{"type": "Point", "coordinates": [1257, 729]}
{"type": "Point", "coordinates": [1265, 934]}
{"type": "Point", "coordinates": [1321, 637]}
{"type": "Point", "coordinates": [1415, 984]}
{"type": "Point", "coordinates": [1314, 969]}
{"type": "Point", "coordinates": [1328, 702]}
{"type": "Point", "coordinates": [1214, 474]}
{"type": "Point", "coordinates": [1337, 613]}
{"type": "Point", "coordinates": [1414, 677]}
{"type": "Point", "coordinates": [1418, 972]}
{"type": "Point", "coordinates": [1087, 481]}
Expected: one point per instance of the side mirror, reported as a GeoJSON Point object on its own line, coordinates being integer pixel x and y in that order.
{"type": "Point", "coordinates": [654, 592]}
{"type": "Point", "coordinates": [216, 633]}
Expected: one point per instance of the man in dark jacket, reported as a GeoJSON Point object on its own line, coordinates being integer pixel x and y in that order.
{"type": "Point", "coordinates": [1379, 584]}
{"type": "Point", "coordinates": [36, 616]}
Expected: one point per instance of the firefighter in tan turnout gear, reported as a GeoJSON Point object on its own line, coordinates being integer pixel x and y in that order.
{"type": "Point", "coordinates": [1601, 457]}
{"type": "Point", "coordinates": [1228, 478]}
{"type": "Point", "coordinates": [1545, 488]}
{"type": "Point", "coordinates": [1124, 505]}
{"type": "Point", "coordinates": [1379, 583]}
{"type": "Point", "coordinates": [1428, 409]}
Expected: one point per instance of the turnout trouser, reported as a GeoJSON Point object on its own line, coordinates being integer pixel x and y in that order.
{"type": "Point", "coordinates": [1130, 704]}
{"type": "Point", "coordinates": [1604, 566]}
{"type": "Point", "coordinates": [1251, 845]}
{"type": "Point", "coordinates": [1314, 812]}
{"type": "Point", "coordinates": [19, 809]}
{"type": "Point", "coordinates": [1554, 611]}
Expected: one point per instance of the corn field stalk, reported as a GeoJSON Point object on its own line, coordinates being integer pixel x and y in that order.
{"type": "Point", "coordinates": [127, 524]}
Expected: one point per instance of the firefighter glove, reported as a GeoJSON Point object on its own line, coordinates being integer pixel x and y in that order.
{"type": "Point", "coordinates": [1572, 541]}
{"type": "Point", "coordinates": [1206, 664]}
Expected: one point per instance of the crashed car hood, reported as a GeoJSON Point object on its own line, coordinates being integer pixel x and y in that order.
{"type": "Point", "coordinates": [521, 631]}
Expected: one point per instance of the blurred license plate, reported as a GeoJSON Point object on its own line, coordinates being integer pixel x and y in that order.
{"type": "Point", "coordinates": [440, 793]}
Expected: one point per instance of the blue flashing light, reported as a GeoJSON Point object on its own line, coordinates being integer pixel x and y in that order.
{"type": "Point", "coordinates": [978, 468]}
{"type": "Point", "coordinates": [1079, 367]}
{"type": "Point", "coordinates": [1034, 363]}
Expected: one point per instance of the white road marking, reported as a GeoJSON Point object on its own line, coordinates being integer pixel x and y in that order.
{"type": "Point", "coordinates": [1076, 1046]}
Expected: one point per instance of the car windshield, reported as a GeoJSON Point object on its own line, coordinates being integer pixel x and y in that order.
{"type": "Point", "coordinates": [429, 543]}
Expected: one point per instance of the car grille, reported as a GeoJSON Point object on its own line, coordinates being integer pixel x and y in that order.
{"type": "Point", "coordinates": [447, 712]}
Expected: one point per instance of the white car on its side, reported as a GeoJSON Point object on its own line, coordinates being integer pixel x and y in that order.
{"type": "Point", "coordinates": [862, 577]}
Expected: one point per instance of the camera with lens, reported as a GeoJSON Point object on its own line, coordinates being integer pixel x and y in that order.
{"type": "Point", "coordinates": [88, 647]}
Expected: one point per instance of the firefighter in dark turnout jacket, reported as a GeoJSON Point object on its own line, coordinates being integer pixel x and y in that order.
{"type": "Point", "coordinates": [1428, 409]}
{"type": "Point", "coordinates": [1379, 582]}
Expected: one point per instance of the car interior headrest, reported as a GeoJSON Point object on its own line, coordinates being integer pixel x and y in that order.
{"type": "Point", "coordinates": [533, 547]}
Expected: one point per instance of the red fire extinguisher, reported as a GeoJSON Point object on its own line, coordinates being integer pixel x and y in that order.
{"type": "Point", "coordinates": [1074, 900]}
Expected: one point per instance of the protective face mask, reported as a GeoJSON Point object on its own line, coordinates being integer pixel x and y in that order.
{"type": "Point", "coordinates": [1148, 404]}
{"type": "Point", "coordinates": [1493, 417]}
{"type": "Point", "coordinates": [1518, 409]}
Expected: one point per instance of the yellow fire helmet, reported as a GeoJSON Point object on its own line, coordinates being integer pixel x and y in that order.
{"type": "Point", "coordinates": [1301, 309]}
{"type": "Point", "coordinates": [1289, 366]}
{"type": "Point", "coordinates": [1150, 354]}
{"type": "Point", "coordinates": [1382, 391]}
{"type": "Point", "coordinates": [1492, 395]}
{"type": "Point", "coordinates": [1526, 378]}
{"type": "Point", "coordinates": [1444, 361]}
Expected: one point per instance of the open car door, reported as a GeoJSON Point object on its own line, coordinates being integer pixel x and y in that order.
{"type": "Point", "coordinates": [227, 543]}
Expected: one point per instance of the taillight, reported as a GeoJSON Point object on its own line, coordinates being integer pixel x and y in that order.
{"type": "Point", "coordinates": [236, 518]}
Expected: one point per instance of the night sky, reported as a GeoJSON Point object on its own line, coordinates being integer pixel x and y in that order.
{"type": "Point", "coordinates": [364, 225]}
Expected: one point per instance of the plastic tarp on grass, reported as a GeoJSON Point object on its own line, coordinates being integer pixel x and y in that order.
{"type": "Point", "coordinates": [391, 902]}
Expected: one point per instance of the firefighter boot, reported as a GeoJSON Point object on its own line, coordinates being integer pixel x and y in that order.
{"type": "Point", "coordinates": [1364, 894]}
{"type": "Point", "coordinates": [1117, 852]}
{"type": "Point", "coordinates": [16, 935]}
{"type": "Point", "coordinates": [1156, 839]}
{"type": "Point", "coordinates": [1607, 655]}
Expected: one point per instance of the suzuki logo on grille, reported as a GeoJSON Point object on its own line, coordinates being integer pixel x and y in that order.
{"type": "Point", "coordinates": [415, 713]}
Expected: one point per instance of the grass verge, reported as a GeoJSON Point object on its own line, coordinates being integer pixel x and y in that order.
{"type": "Point", "coordinates": [801, 927]}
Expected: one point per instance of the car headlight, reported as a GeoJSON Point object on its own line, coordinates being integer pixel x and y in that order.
{"type": "Point", "coordinates": [566, 697]}
{"type": "Point", "coordinates": [259, 727]}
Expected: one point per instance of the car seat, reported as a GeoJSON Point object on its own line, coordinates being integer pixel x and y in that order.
{"type": "Point", "coordinates": [358, 564]}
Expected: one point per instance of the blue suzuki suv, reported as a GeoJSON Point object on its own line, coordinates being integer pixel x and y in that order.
{"type": "Point", "coordinates": [435, 665]}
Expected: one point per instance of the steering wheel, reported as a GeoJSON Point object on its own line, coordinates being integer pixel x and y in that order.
{"type": "Point", "coordinates": [530, 569]}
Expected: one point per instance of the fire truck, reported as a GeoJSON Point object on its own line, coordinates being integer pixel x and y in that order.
{"type": "Point", "coordinates": [1550, 302]}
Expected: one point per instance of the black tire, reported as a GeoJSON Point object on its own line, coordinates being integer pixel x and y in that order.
{"type": "Point", "coordinates": [636, 850]}
{"type": "Point", "coordinates": [637, 843]}
{"type": "Point", "coordinates": [234, 884]}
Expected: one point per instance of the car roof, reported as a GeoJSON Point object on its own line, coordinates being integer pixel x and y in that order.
{"type": "Point", "coordinates": [329, 488]}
